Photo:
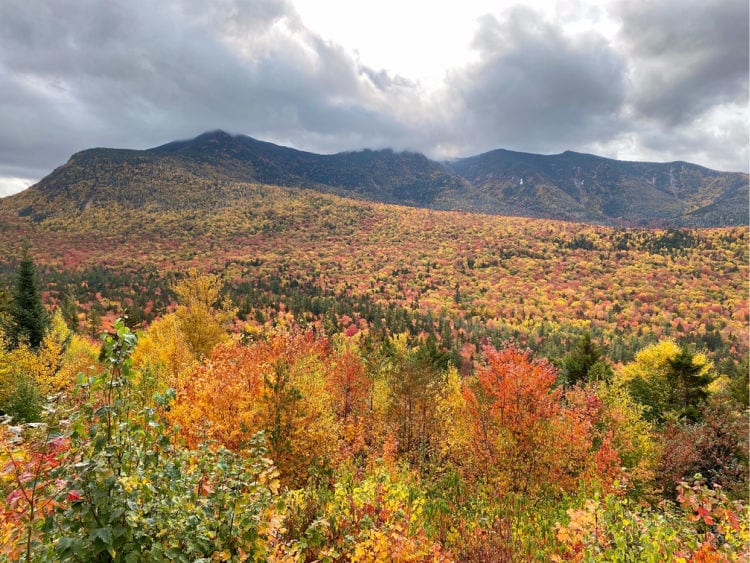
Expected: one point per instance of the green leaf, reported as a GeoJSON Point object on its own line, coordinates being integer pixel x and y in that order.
{"type": "Point", "coordinates": [65, 544]}
{"type": "Point", "coordinates": [174, 554]}
{"type": "Point", "coordinates": [102, 411]}
{"type": "Point", "coordinates": [103, 535]}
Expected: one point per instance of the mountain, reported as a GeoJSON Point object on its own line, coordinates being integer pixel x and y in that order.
{"type": "Point", "coordinates": [590, 188]}
{"type": "Point", "coordinates": [206, 171]}
{"type": "Point", "coordinates": [384, 175]}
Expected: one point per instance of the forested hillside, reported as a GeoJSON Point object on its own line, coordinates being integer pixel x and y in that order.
{"type": "Point", "coordinates": [569, 186]}
{"type": "Point", "coordinates": [586, 187]}
{"type": "Point", "coordinates": [287, 443]}
{"type": "Point", "coordinates": [297, 376]}
{"type": "Point", "coordinates": [465, 277]}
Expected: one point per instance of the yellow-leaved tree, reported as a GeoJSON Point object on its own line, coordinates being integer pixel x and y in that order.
{"type": "Point", "coordinates": [670, 381]}
{"type": "Point", "coordinates": [634, 438]}
{"type": "Point", "coordinates": [202, 315]}
{"type": "Point", "coordinates": [62, 355]}
{"type": "Point", "coordinates": [453, 412]}
{"type": "Point", "coordinates": [162, 356]}
{"type": "Point", "coordinates": [81, 356]}
{"type": "Point", "coordinates": [29, 375]}
{"type": "Point", "coordinates": [50, 357]}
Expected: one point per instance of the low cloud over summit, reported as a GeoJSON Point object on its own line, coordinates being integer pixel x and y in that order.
{"type": "Point", "coordinates": [135, 74]}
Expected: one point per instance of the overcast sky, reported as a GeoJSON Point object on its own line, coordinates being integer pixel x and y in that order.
{"type": "Point", "coordinates": [654, 80]}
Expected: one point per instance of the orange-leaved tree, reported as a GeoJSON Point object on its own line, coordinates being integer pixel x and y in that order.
{"type": "Point", "coordinates": [350, 388]}
{"type": "Point", "coordinates": [276, 386]}
{"type": "Point", "coordinates": [525, 436]}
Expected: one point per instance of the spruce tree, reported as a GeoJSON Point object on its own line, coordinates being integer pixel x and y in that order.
{"type": "Point", "coordinates": [689, 383]}
{"type": "Point", "coordinates": [28, 320]}
{"type": "Point", "coordinates": [585, 362]}
{"type": "Point", "coordinates": [69, 310]}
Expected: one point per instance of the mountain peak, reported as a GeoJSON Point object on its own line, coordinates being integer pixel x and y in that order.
{"type": "Point", "coordinates": [570, 186]}
{"type": "Point", "coordinates": [217, 134]}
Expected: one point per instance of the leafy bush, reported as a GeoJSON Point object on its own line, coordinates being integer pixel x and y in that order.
{"type": "Point", "coordinates": [116, 487]}
{"type": "Point", "coordinates": [706, 526]}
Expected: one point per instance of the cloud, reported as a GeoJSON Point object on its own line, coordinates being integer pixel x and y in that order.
{"type": "Point", "coordinates": [671, 84]}
{"type": "Point", "coordinates": [11, 185]}
{"type": "Point", "coordinates": [685, 56]}
{"type": "Point", "coordinates": [718, 139]}
{"type": "Point", "coordinates": [136, 73]}
{"type": "Point", "coordinates": [687, 95]}
{"type": "Point", "coordinates": [534, 88]}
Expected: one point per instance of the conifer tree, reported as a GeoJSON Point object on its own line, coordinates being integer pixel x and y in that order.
{"type": "Point", "coordinates": [671, 381]}
{"type": "Point", "coordinates": [689, 382]}
{"type": "Point", "coordinates": [28, 320]}
{"type": "Point", "coordinates": [585, 362]}
{"type": "Point", "coordinates": [69, 310]}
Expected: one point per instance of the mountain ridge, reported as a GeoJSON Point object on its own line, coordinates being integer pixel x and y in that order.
{"type": "Point", "coordinates": [567, 186]}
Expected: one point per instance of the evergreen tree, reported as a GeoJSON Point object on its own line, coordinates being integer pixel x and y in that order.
{"type": "Point", "coordinates": [94, 321]}
{"type": "Point", "coordinates": [28, 320]}
{"type": "Point", "coordinates": [69, 310]}
{"type": "Point", "coordinates": [739, 382]}
{"type": "Point", "coordinates": [585, 362]}
{"type": "Point", "coordinates": [4, 307]}
{"type": "Point", "coordinates": [689, 383]}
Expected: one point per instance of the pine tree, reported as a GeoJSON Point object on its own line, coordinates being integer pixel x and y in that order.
{"type": "Point", "coordinates": [585, 362]}
{"type": "Point", "coordinates": [69, 310]}
{"type": "Point", "coordinates": [689, 382]}
{"type": "Point", "coordinates": [28, 320]}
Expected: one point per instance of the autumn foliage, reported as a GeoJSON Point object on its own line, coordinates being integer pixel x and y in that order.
{"type": "Point", "coordinates": [276, 386]}
{"type": "Point", "coordinates": [296, 427]}
{"type": "Point", "coordinates": [526, 434]}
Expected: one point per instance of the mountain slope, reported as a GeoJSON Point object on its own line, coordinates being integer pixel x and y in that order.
{"type": "Point", "coordinates": [205, 172]}
{"type": "Point", "coordinates": [383, 175]}
{"type": "Point", "coordinates": [591, 188]}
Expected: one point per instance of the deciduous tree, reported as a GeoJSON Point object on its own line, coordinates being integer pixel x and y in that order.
{"type": "Point", "coordinates": [277, 386]}
{"type": "Point", "coordinates": [670, 381]}
{"type": "Point", "coordinates": [525, 437]}
{"type": "Point", "coordinates": [201, 313]}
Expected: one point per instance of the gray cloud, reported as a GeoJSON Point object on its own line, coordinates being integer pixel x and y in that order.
{"type": "Point", "coordinates": [686, 56]}
{"type": "Point", "coordinates": [137, 73]}
{"type": "Point", "coordinates": [536, 89]}
{"type": "Point", "coordinates": [672, 86]}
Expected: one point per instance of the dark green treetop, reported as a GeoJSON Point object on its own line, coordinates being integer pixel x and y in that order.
{"type": "Point", "coordinates": [27, 318]}
{"type": "Point", "coordinates": [689, 383]}
{"type": "Point", "coordinates": [585, 362]}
